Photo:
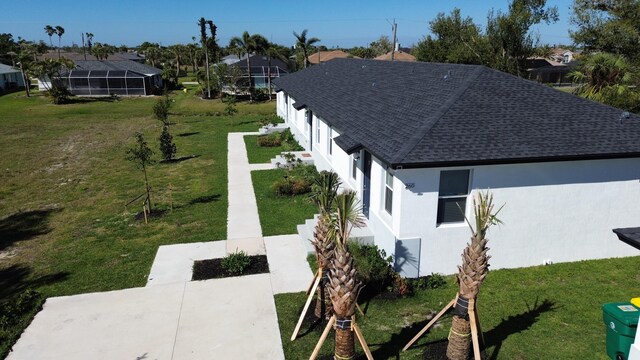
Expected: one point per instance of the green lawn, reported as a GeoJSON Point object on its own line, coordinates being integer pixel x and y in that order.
{"type": "Point", "coordinates": [64, 182]}
{"type": "Point", "coordinates": [279, 214]}
{"type": "Point", "coordinates": [260, 154]}
{"type": "Point", "coordinates": [544, 312]}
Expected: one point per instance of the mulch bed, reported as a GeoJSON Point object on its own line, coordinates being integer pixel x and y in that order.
{"type": "Point", "coordinates": [212, 269]}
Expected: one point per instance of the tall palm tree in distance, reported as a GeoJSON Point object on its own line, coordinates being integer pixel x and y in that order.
{"type": "Point", "coordinates": [304, 44]}
{"type": "Point", "coordinates": [203, 39]}
{"type": "Point", "coordinates": [60, 32]}
{"type": "Point", "coordinates": [245, 44]}
{"type": "Point", "coordinates": [344, 286]}
{"type": "Point", "coordinates": [50, 31]}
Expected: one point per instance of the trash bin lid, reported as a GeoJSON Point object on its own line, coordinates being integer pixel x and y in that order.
{"type": "Point", "coordinates": [624, 312]}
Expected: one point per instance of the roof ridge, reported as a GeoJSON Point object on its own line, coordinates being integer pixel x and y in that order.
{"type": "Point", "coordinates": [424, 130]}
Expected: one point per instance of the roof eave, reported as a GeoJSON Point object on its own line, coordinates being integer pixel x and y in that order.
{"type": "Point", "coordinates": [459, 163]}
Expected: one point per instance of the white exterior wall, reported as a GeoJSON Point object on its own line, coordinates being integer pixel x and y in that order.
{"type": "Point", "coordinates": [561, 211]}
{"type": "Point", "coordinates": [556, 211]}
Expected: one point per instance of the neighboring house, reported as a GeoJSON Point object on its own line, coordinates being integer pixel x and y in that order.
{"type": "Point", "coordinates": [324, 56]}
{"type": "Point", "coordinates": [10, 78]}
{"type": "Point", "coordinates": [107, 77]}
{"type": "Point", "coordinates": [259, 68]}
{"type": "Point", "coordinates": [563, 56]}
{"type": "Point", "coordinates": [418, 140]}
{"type": "Point", "coordinates": [548, 71]}
{"type": "Point", "coordinates": [398, 55]}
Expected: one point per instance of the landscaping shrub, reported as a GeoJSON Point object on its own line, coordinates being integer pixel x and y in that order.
{"type": "Point", "coordinates": [290, 187]}
{"type": "Point", "coordinates": [374, 268]}
{"type": "Point", "coordinates": [271, 140]}
{"type": "Point", "coordinates": [289, 142]}
{"type": "Point", "coordinates": [433, 281]}
{"type": "Point", "coordinates": [296, 181]}
{"type": "Point", "coordinates": [236, 263]}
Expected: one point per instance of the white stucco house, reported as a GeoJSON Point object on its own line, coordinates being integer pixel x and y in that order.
{"type": "Point", "coordinates": [417, 140]}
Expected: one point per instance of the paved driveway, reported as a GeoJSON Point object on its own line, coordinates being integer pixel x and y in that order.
{"type": "Point", "coordinates": [232, 318]}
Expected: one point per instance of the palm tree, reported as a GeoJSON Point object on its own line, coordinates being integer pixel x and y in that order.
{"type": "Point", "coordinates": [89, 41]}
{"type": "Point", "coordinates": [245, 45]}
{"type": "Point", "coordinates": [203, 39]}
{"type": "Point", "coordinates": [49, 30]}
{"type": "Point", "coordinates": [344, 286]}
{"type": "Point", "coordinates": [304, 44]}
{"type": "Point", "coordinates": [323, 194]}
{"type": "Point", "coordinates": [212, 40]}
{"type": "Point", "coordinates": [270, 50]}
{"type": "Point", "coordinates": [59, 31]}
{"type": "Point", "coordinates": [609, 79]}
{"type": "Point", "coordinates": [475, 265]}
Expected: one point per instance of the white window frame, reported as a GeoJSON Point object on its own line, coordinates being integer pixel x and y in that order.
{"type": "Point", "coordinates": [306, 122]}
{"type": "Point", "coordinates": [465, 197]}
{"type": "Point", "coordinates": [318, 131]}
{"type": "Point", "coordinates": [388, 192]}
{"type": "Point", "coordinates": [329, 140]}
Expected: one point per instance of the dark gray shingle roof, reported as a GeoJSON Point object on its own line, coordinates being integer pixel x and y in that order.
{"type": "Point", "coordinates": [426, 114]}
{"type": "Point", "coordinates": [105, 65]}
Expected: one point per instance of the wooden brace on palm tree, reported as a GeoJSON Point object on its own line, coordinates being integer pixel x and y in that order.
{"type": "Point", "coordinates": [476, 332]}
{"type": "Point", "coordinates": [471, 274]}
{"type": "Point", "coordinates": [344, 325]}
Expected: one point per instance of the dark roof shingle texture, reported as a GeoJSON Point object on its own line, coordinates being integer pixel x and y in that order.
{"type": "Point", "coordinates": [426, 114]}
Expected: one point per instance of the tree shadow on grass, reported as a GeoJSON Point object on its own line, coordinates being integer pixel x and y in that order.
{"type": "Point", "coordinates": [205, 199]}
{"type": "Point", "coordinates": [515, 324]}
{"type": "Point", "coordinates": [188, 134]}
{"type": "Point", "coordinates": [392, 348]}
{"type": "Point", "coordinates": [24, 226]}
{"type": "Point", "coordinates": [180, 159]}
{"type": "Point", "coordinates": [17, 278]}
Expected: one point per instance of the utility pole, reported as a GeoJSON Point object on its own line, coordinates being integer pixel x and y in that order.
{"type": "Point", "coordinates": [84, 51]}
{"type": "Point", "coordinates": [394, 27]}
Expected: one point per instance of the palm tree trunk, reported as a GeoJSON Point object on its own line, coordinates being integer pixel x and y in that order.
{"type": "Point", "coordinates": [459, 339]}
{"type": "Point", "coordinates": [324, 249]}
{"type": "Point", "coordinates": [59, 38]}
{"type": "Point", "coordinates": [345, 344]}
{"type": "Point", "coordinates": [206, 59]}
{"type": "Point", "coordinates": [269, 76]}
{"type": "Point", "coordinates": [250, 82]}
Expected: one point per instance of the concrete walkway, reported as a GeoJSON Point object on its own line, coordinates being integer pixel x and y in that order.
{"type": "Point", "coordinates": [243, 220]}
{"type": "Point", "coordinates": [173, 318]}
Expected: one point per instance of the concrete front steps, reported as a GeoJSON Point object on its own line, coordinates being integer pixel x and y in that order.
{"type": "Point", "coordinates": [363, 235]}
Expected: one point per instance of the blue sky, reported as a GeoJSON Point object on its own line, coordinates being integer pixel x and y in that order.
{"type": "Point", "coordinates": [342, 23]}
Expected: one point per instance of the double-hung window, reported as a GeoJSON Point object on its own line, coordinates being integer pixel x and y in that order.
{"type": "Point", "coordinates": [330, 141]}
{"type": "Point", "coordinates": [318, 131]}
{"type": "Point", "coordinates": [388, 192]}
{"type": "Point", "coordinates": [452, 197]}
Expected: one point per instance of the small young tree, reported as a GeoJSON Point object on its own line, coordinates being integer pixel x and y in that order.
{"type": "Point", "coordinates": [141, 155]}
{"type": "Point", "coordinates": [167, 147]}
{"type": "Point", "coordinates": [161, 112]}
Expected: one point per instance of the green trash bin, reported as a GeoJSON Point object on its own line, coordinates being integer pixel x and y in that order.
{"type": "Point", "coordinates": [621, 320]}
